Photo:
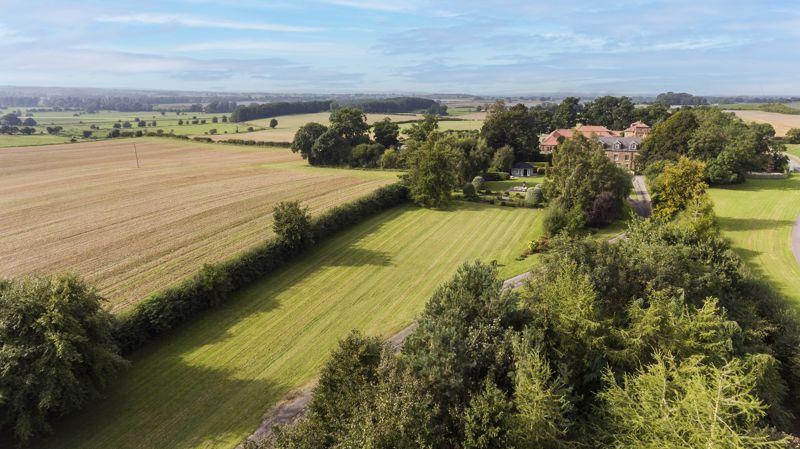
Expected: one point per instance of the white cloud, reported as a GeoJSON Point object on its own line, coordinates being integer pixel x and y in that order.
{"type": "Point", "coordinates": [268, 46]}
{"type": "Point", "coordinates": [200, 22]}
{"type": "Point", "coordinates": [10, 36]}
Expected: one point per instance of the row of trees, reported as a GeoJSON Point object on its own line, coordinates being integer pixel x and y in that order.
{"type": "Point", "coordinates": [519, 127]}
{"type": "Point", "coordinates": [661, 340]}
{"type": "Point", "coordinates": [387, 105]}
{"type": "Point", "coordinates": [727, 146]}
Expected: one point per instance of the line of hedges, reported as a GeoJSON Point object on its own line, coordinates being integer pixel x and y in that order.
{"type": "Point", "coordinates": [216, 283]}
{"type": "Point", "coordinates": [256, 143]}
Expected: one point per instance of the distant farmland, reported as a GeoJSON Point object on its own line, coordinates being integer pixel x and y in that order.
{"type": "Point", "coordinates": [781, 122]}
{"type": "Point", "coordinates": [289, 124]}
{"type": "Point", "coordinates": [87, 208]}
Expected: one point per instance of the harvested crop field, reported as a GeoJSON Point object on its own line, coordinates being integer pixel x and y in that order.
{"type": "Point", "coordinates": [87, 208]}
{"type": "Point", "coordinates": [781, 122]}
{"type": "Point", "coordinates": [289, 124]}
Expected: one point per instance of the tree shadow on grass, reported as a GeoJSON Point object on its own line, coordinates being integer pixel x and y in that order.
{"type": "Point", "coordinates": [751, 224]}
{"type": "Point", "coordinates": [354, 256]}
{"type": "Point", "coordinates": [182, 409]}
{"type": "Point", "coordinates": [762, 185]}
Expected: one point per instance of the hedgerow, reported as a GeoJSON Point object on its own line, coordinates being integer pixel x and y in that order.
{"type": "Point", "coordinates": [216, 283]}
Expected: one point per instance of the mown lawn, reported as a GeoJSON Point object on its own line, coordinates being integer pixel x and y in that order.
{"type": "Point", "coordinates": [209, 384]}
{"type": "Point", "coordinates": [793, 149]}
{"type": "Point", "coordinates": [757, 217]}
{"type": "Point", "coordinates": [502, 186]}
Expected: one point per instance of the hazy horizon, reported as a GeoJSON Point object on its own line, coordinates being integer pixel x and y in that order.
{"type": "Point", "coordinates": [510, 47]}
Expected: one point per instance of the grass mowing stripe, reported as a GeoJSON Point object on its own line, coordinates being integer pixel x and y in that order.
{"type": "Point", "coordinates": [758, 217]}
{"type": "Point", "coordinates": [208, 385]}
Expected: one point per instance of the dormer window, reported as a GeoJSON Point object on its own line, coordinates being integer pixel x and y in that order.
{"type": "Point", "coordinates": [617, 145]}
{"type": "Point", "coordinates": [633, 146]}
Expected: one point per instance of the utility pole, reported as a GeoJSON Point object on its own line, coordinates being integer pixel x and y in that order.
{"type": "Point", "coordinates": [136, 153]}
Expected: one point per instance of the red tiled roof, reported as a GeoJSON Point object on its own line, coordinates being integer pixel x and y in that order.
{"type": "Point", "coordinates": [636, 125]}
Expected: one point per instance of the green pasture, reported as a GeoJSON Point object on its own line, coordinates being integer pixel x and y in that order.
{"type": "Point", "coordinates": [209, 384]}
{"type": "Point", "coordinates": [793, 149]}
{"type": "Point", "coordinates": [757, 217]}
{"type": "Point", "coordinates": [19, 140]}
{"type": "Point", "coordinates": [74, 123]}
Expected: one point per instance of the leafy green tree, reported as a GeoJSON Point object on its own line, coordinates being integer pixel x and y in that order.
{"type": "Point", "coordinates": [29, 122]}
{"type": "Point", "coordinates": [514, 127]}
{"type": "Point", "coordinates": [652, 114]}
{"type": "Point", "coordinates": [503, 159]}
{"type": "Point", "coordinates": [304, 140]}
{"type": "Point", "coordinates": [10, 119]}
{"type": "Point", "coordinates": [386, 133]}
{"type": "Point", "coordinates": [292, 224]}
{"type": "Point", "coordinates": [351, 370]}
{"type": "Point", "coordinates": [793, 136]}
{"type": "Point", "coordinates": [397, 413]}
{"type": "Point", "coordinates": [392, 158]}
{"type": "Point", "coordinates": [468, 190]}
{"type": "Point", "coordinates": [461, 341]}
{"type": "Point", "coordinates": [542, 401]}
{"type": "Point", "coordinates": [668, 140]}
{"type": "Point", "coordinates": [685, 404]}
{"type": "Point", "coordinates": [678, 184]}
{"type": "Point", "coordinates": [608, 111]}
{"type": "Point", "coordinates": [330, 149]}
{"type": "Point", "coordinates": [273, 123]}
{"type": "Point", "coordinates": [567, 113]}
{"type": "Point", "coordinates": [580, 175]}
{"type": "Point", "coordinates": [432, 171]}
{"type": "Point", "coordinates": [422, 130]}
{"type": "Point", "coordinates": [367, 155]}
{"type": "Point", "coordinates": [351, 124]}
{"type": "Point", "coordinates": [486, 419]}
{"type": "Point", "coordinates": [57, 354]}
{"type": "Point", "coordinates": [534, 196]}
{"type": "Point", "coordinates": [474, 156]}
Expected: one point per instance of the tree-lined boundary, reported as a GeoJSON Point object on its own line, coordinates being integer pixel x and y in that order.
{"type": "Point", "coordinates": [216, 283]}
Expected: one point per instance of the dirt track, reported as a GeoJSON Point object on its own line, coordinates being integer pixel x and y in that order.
{"type": "Point", "coordinates": [87, 208]}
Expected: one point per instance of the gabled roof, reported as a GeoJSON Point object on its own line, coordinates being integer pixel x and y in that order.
{"type": "Point", "coordinates": [523, 165]}
{"type": "Point", "coordinates": [631, 143]}
{"type": "Point", "coordinates": [586, 130]}
{"type": "Point", "coordinates": [637, 125]}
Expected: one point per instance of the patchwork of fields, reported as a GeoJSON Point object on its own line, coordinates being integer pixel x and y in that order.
{"type": "Point", "coordinates": [289, 124]}
{"type": "Point", "coordinates": [87, 208]}
{"type": "Point", "coordinates": [757, 217]}
{"type": "Point", "coordinates": [209, 384]}
{"type": "Point", "coordinates": [73, 124]}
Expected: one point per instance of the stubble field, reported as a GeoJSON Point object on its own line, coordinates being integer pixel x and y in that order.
{"type": "Point", "coordinates": [781, 122]}
{"type": "Point", "coordinates": [132, 231]}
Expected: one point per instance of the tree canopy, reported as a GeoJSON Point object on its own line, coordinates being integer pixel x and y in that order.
{"type": "Point", "coordinates": [57, 351]}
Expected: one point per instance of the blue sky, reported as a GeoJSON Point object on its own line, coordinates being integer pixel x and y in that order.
{"type": "Point", "coordinates": [482, 47]}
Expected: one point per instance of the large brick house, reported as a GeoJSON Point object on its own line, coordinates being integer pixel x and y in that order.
{"type": "Point", "coordinates": [621, 150]}
{"type": "Point", "coordinates": [549, 143]}
{"type": "Point", "coordinates": [620, 146]}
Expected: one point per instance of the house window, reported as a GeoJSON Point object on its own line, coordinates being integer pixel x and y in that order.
{"type": "Point", "coordinates": [633, 146]}
{"type": "Point", "coordinates": [617, 146]}
{"type": "Point", "coordinates": [616, 157]}
{"type": "Point", "coordinates": [627, 157]}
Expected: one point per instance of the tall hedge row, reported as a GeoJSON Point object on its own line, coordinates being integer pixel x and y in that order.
{"type": "Point", "coordinates": [215, 283]}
